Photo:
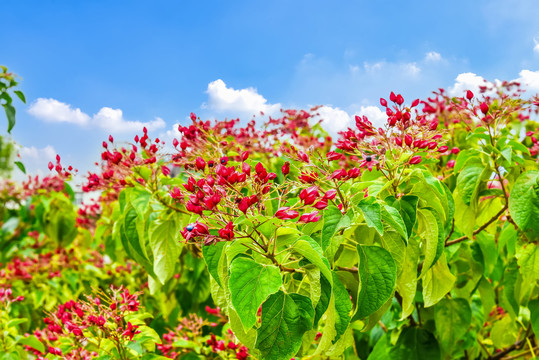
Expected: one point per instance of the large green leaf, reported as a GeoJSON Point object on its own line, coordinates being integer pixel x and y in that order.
{"type": "Point", "coordinates": [213, 255]}
{"type": "Point", "coordinates": [415, 344]}
{"type": "Point", "coordinates": [10, 114]}
{"type": "Point", "coordinates": [250, 284]}
{"type": "Point", "coordinates": [325, 297]}
{"type": "Point", "coordinates": [453, 318]}
{"type": "Point", "coordinates": [372, 211]}
{"type": "Point", "coordinates": [310, 250]}
{"type": "Point", "coordinates": [524, 202]}
{"type": "Point", "coordinates": [528, 263]}
{"type": "Point", "coordinates": [431, 230]}
{"type": "Point", "coordinates": [437, 282]}
{"type": "Point", "coordinates": [407, 207]}
{"type": "Point", "coordinates": [407, 279]}
{"type": "Point", "coordinates": [164, 242]}
{"type": "Point", "coordinates": [533, 305]}
{"type": "Point", "coordinates": [469, 178]}
{"type": "Point", "coordinates": [282, 327]}
{"type": "Point", "coordinates": [343, 306]}
{"type": "Point", "coordinates": [392, 219]}
{"type": "Point", "coordinates": [378, 275]}
{"type": "Point", "coordinates": [334, 221]}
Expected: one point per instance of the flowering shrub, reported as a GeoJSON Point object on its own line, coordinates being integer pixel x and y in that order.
{"type": "Point", "coordinates": [414, 239]}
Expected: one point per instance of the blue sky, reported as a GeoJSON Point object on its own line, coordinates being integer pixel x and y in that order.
{"type": "Point", "coordinates": [91, 68]}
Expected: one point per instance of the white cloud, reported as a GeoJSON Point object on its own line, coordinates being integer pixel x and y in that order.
{"type": "Point", "coordinates": [32, 153]}
{"type": "Point", "coordinates": [246, 101]}
{"type": "Point", "coordinates": [112, 120]}
{"type": "Point", "coordinates": [411, 69]}
{"type": "Point", "coordinates": [108, 119]}
{"type": "Point", "coordinates": [470, 81]}
{"type": "Point", "coordinates": [466, 81]}
{"type": "Point", "coordinates": [530, 80]}
{"type": "Point", "coordinates": [334, 119]}
{"type": "Point", "coordinates": [52, 110]}
{"type": "Point", "coordinates": [536, 47]}
{"type": "Point", "coordinates": [433, 56]}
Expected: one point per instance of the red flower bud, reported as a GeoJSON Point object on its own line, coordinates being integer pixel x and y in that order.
{"type": "Point", "coordinates": [383, 102]}
{"type": "Point", "coordinates": [51, 165]}
{"type": "Point", "coordinates": [200, 163]}
{"type": "Point", "coordinates": [484, 108]}
{"type": "Point", "coordinates": [330, 194]}
{"type": "Point", "coordinates": [415, 160]}
{"type": "Point", "coordinates": [469, 95]}
{"type": "Point", "coordinates": [286, 168]}
{"type": "Point", "coordinates": [193, 116]}
{"type": "Point", "coordinates": [443, 149]}
{"type": "Point", "coordinates": [415, 103]}
{"type": "Point", "coordinates": [408, 139]}
{"type": "Point", "coordinates": [332, 155]}
{"type": "Point", "coordinates": [285, 213]}
{"type": "Point", "coordinates": [393, 97]}
{"type": "Point", "coordinates": [310, 217]}
{"type": "Point", "coordinates": [451, 164]}
{"type": "Point", "coordinates": [455, 150]}
{"type": "Point", "coordinates": [398, 141]}
{"type": "Point", "coordinates": [111, 139]}
{"type": "Point", "coordinates": [434, 124]}
{"type": "Point", "coordinates": [175, 142]}
{"type": "Point", "coordinates": [246, 168]}
{"type": "Point", "coordinates": [399, 100]}
{"type": "Point", "coordinates": [244, 155]}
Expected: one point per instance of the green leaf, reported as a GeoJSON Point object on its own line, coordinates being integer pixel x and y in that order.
{"type": "Point", "coordinates": [21, 167]}
{"type": "Point", "coordinates": [469, 178]}
{"type": "Point", "coordinates": [20, 95]}
{"type": "Point", "coordinates": [250, 284]}
{"type": "Point", "coordinates": [453, 317]}
{"type": "Point", "coordinates": [437, 282]}
{"type": "Point", "coordinates": [343, 306]}
{"type": "Point", "coordinates": [306, 311]}
{"type": "Point", "coordinates": [407, 207]}
{"type": "Point", "coordinates": [310, 250]}
{"type": "Point", "coordinates": [213, 255]}
{"type": "Point", "coordinates": [372, 211]}
{"type": "Point", "coordinates": [524, 202]}
{"type": "Point", "coordinates": [378, 276]}
{"type": "Point", "coordinates": [334, 220]}
{"type": "Point", "coordinates": [415, 344]}
{"type": "Point", "coordinates": [34, 342]}
{"type": "Point", "coordinates": [407, 279]}
{"type": "Point", "coordinates": [432, 232]}
{"type": "Point", "coordinates": [10, 114]}
{"type": "Point", "coordinates": [510, 277]}
{"type": "Point", "coordinates": [282, 328]}
{"type": "Point", "coordinates": [528, 263]}
{"type": "Point", "coordinates": [504, 332]}
{"type": "Point", "coordinates": [247, 338]}
{"type": "Point", "coordinates": [164, 242]}
{"type": "Point", "coordinates": [325, 297]}
{"type": "Point", "coordinates": [533, 305]}
{"type": "Point", "coordinates": [393, 220]}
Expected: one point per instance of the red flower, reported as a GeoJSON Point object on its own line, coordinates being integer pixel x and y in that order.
{"type": "Point", "coordinates": [330, 194]}
{"type": "Point", "coordinates": [451, 164]}
{"type": "Point", "coordinates": [193, 116]}
{"type": "Point", "coordinates": [415, 160]}
{"type": "Point", "coordinates": [200, 163]}
{"type": "Point", "coordinates": [469, 95]}
{"type": "Point", "coordinates": [408, 139]}
{"type": "Point", "coordinates": [227, 232]}
{"type": "Point", "coordinates": [131, 331]}
{"type": "Point", "coordinates": [322, 204]}
{"type": "Point", "coordinates": [383, 102]}
{"type": "Point", "coordinates": [309, 195]}
{"type": "Point", "coordinates": [443, 149]}
{"type": "Point", "coordinates": [310, 217]}
{"type": "Point", "coordinates": [285, 213]}
{"type": "Point", "coordinates": [165, 170]}
{"type": "Point", "coordinates": [332, 155]}
{"type": "Point", "coordinates": [484, 108]}
{"type": "Point", "coordinates": [286, 168]}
